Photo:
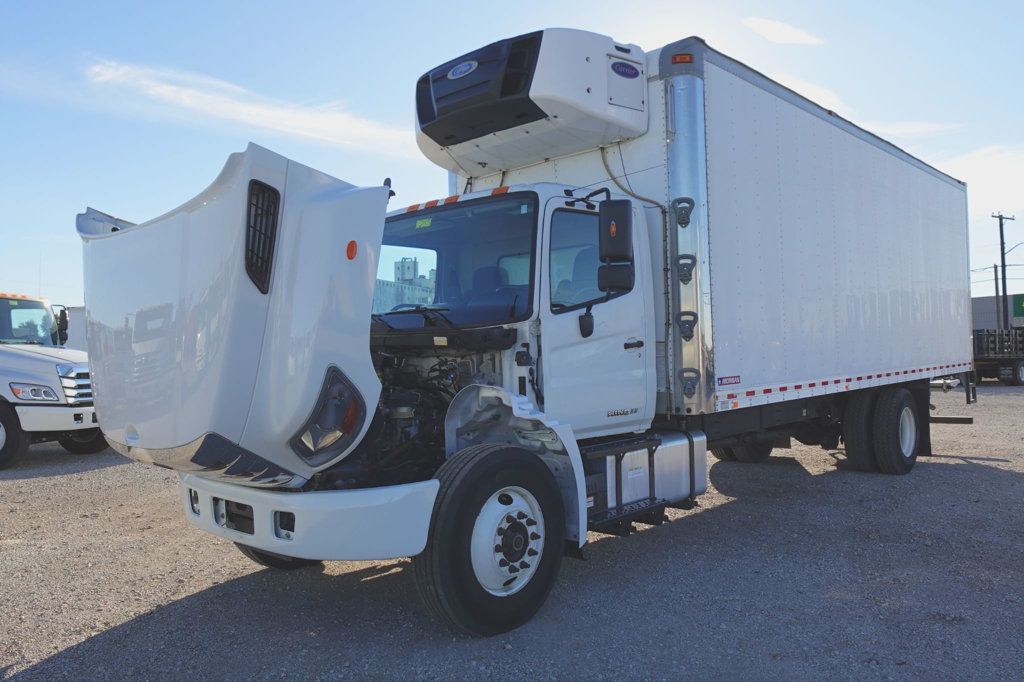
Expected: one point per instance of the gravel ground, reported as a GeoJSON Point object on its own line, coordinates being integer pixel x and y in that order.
{"type": "Point", "coordinates": [795, 568]}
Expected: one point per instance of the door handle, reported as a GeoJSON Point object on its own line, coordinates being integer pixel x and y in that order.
{"type": "Point", "coordinates": [630, 345]}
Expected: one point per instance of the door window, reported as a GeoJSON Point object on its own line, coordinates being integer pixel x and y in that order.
{"type": "Point", "coordinates": [574, 260]}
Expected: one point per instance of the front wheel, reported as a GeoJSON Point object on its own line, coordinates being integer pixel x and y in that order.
{"type": "Point", "coordinates": [84, 442]}
{"type": "Point", "coordinates": [495, 542]}
{"type": "Point", "coordinates": [13, 441]}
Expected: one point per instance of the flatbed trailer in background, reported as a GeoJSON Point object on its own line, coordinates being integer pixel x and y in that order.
{"type": "Point", "coordinates": [999, 354]}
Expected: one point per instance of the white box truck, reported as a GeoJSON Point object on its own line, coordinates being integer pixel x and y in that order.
{"type": "Point", "coordinates": [644, 256]}
{"type": "Point", "coordinates": [45, 390]}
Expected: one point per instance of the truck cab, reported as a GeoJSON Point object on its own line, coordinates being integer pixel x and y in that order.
{"type": "Point", "coordinates": [45, 390]}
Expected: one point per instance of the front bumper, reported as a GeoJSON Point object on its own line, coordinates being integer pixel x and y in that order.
{"type": "Point", "coordinates": [368, 523]}
{"type": "Point", "coordinates": [35, 418]}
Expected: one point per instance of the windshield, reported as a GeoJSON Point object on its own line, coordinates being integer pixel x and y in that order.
{"type": "Point", "coordinates": [26, 321]}
{"type": "Point", "coordinates": [472, 261]}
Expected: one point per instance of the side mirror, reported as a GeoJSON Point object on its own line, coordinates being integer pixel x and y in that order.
{"type": "Point", "coordinates": [615, 220]}
{"type": "Point", "coordinates": [613, 278]}
{"type": "Point", "coordinates": [62, 326]}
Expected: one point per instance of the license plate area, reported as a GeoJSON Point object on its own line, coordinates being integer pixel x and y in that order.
{"type": "Point", "coordinates": [234, 515]}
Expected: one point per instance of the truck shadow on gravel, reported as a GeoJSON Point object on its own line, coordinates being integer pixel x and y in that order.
{"type": "Point", "coordinates": [790, 570]}
{"type": "Point", "coordinates": [47, 460]}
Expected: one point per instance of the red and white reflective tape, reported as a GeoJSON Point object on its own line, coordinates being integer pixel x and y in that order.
{"type": "Point", "coordinates": [766, 394]}
{"type": "Point", "coordinates": [453, 198]}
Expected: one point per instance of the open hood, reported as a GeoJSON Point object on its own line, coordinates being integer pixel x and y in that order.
{"type": "Point", "coordinates": [214, 330]}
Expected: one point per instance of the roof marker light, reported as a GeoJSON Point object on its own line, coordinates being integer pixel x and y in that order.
{"type": "Point", "coordinates": [682, 58]}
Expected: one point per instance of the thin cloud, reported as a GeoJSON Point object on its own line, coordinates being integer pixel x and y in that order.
{"type": "Point", "coordinates": [780, 32]}
{"type": "Point", "coordinates": [198, 94]}
{"type": "Point", "coordinates": [816, 93]}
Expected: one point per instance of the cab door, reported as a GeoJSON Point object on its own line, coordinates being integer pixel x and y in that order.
{"type": "Point", "coordinates": [601, 383]}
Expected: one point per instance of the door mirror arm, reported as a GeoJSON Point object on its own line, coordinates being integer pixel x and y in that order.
{"type": "Point", "coordinates": [586, 321]}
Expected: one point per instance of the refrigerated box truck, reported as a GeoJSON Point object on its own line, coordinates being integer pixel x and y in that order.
{"type": "Point", "coordinates": [644, 256]}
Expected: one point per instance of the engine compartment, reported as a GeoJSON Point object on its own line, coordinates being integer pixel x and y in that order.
{"type": "Point", "coordinates": [405, 440]}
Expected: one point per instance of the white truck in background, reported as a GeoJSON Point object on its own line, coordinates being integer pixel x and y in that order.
{"type": "Point", "coordinates": [45, 391]}
{"type": "Point", "coordinates": [644, 255]}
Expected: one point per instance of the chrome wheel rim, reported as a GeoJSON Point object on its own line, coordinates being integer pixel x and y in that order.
{"type": "Point", "coordinates": [1020, 374]}
{"type": "Point", "coordinates": [908, 431]}
{"type": "Point", "coordinates": [508, 541]}
{"type": "Point", "coordinates": [3, 436]}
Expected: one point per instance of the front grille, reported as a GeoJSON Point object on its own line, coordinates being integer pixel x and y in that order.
{"type": "Point", "coordinates": [261, 230]}
{"type": "Point", "coordinates": [77, 385]}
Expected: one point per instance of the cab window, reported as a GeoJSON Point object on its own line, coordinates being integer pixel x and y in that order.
{"type": "Point", "coordinates": [574, 260]}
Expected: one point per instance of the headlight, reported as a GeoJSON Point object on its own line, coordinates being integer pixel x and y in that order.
{"type": "Point", "coordinates": [336, 420]}
{"type": "Point", "coordinates": [33, 392]}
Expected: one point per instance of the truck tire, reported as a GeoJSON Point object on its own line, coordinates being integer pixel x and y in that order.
{"type": "Point", "coordinates": [13, 441]}
{"type": "Point", "coordinates": [752, 454]}
{"type": "Point", "coordinates": [1018, 373]}
{"type": "Point", "coordinates": [272, 560]}
{"type": "Point", "coordinates": [858, 428]}
{"type": "Point", "coordinates": [896, 431]}
{"type": "Point", "coordinates": [84, 442]}
{"type": "Point", "coordinates": [724, 454]}
{"type": "Point", "coordinates": [495, 542]}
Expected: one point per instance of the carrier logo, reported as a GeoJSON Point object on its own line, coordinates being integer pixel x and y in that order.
{"type": "Point", "coordinates": [621, 68]}
{"type": "Point", "coordinates": [728, 381]}
{"type": "Point", "coordinates": [460, 70]}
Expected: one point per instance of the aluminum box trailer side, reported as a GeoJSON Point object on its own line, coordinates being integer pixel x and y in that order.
{"type": "Point", "coordinates": [818, 258]}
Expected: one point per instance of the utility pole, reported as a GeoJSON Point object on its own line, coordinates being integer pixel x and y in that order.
{"type": "Point", "coordinates": [999, 300]}
{"type": "Point", "coordinates": [1002, 253]}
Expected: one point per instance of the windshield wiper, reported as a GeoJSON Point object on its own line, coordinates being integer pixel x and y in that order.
{"type": "Point", "coordinates": [430, 313]}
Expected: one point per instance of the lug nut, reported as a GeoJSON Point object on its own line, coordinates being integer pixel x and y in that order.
{"type": "Point", "coordinates": [509, 519]}
{"type": "Point", "coordinates": [531, 552]}
{"type": "Point", "coordinates": [521, 516]}
{"type": "Point", "coordinates": [498, 549]}
{"type": "Point", "coordinates": [534, 536]}
{"type": "Point", "coordinates": [503, 563]}
{"type": "Point", "coordinates": [513, 569]}
{"type": "Point", "coordinates": [523, 564]}
{"type": "Point", "coordinates": [531, 522]}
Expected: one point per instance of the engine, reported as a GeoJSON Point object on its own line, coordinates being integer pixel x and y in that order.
{"type": "Point", "coordinates": [405, 440]}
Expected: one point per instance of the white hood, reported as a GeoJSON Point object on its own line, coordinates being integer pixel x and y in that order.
{"type": "Point", "coordinates": [54, 353]}
{"type": "Point", "coordinates": [183, 340]}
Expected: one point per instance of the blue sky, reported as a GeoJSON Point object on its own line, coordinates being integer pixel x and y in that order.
{"type": "Point", "coordinates": [133, 107]}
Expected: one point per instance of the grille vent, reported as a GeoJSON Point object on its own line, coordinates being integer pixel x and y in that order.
{"type": "Point", "coordinates": [261, 233]}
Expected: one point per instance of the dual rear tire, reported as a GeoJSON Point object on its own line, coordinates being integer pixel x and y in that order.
{"type": "Point", "coordinates": [881, 430]}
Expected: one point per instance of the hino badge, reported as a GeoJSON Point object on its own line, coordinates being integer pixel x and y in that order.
{"type": "Point", "coordinates": [45, 390]}
{"type": "Point", "coordinates": [645, 255]}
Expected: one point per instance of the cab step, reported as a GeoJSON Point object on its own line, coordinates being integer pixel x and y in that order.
{"type": "Point", "coordinates": [619, 521]}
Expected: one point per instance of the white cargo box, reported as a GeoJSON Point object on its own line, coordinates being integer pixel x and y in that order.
{"type": "Point", "coordinates": [817, 257]}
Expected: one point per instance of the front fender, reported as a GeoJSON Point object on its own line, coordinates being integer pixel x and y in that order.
{"type": "Point", "coordinates": [490, 414]}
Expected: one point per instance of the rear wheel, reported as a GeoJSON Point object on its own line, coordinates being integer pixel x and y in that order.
{"type": "Point", "coordinates": [1018, 374]}
{"type": "Point", "coordinates": [84, 442]}
{"type": "Point", "coordinates": [752, 454]}
{"type": "Point", "coordinates": [724, 454]}
{"type": "Point", "coordinates": [895, 431]}
{"type": "Point", "coordinates": [857, 431]}
{"type": "Point", "coordinates": [272, 560]}
{"type": "Point", "coordinates": [495, 541]}
{"type": "Point", "coordinates": [13, 441]}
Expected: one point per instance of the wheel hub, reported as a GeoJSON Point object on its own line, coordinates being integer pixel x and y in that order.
{"type": "Point", "coordinates": [3, 436]}
{"type": "Point", "coordinates": [508, 541]}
